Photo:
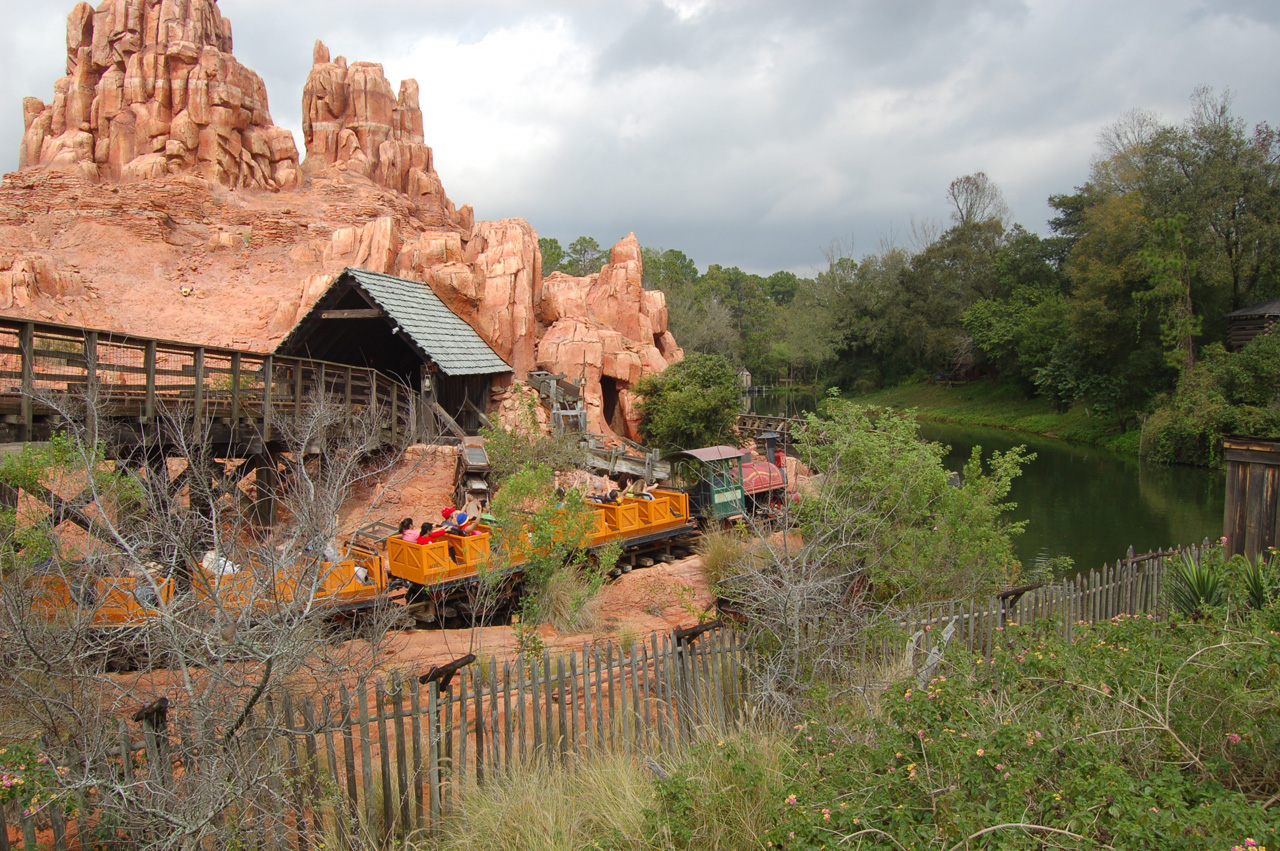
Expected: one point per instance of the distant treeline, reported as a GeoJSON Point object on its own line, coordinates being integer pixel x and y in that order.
{"type": "Point", "coordinates": [1121, 309]}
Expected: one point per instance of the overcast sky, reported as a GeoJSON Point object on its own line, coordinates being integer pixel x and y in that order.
{"type": "Point", "coordinates": [743, 133]}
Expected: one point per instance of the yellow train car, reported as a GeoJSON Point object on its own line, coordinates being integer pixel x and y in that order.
{"type": "Point", "coordinates": [453, 561]}
{"type": "Point", "coordinates": [106, 601]}
{"type": "Point", "coordinates": [315, 584]}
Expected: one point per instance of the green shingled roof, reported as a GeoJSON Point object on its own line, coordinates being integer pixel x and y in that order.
{"type": "Point", "coordinates": [439, 332]}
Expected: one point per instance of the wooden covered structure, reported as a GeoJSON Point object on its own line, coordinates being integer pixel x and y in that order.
{"type": "Point", "coordinates": [1251, 519]}
{"type": "Point", "coordinates": [1245, 324]}
{"type": "Point", "coordinates": [401, 328]}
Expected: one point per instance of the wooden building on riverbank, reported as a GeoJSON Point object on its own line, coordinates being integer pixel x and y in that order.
{"type": "Point", "coordinates": [1251, 519]}
{"type": "Point", "coordinates": [1245, 324]}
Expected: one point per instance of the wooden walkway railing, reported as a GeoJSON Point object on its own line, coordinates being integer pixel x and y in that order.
{"type": "Point", "coordinates": [367, 768]}
{"type": "Point", "coordinates": [246, 395]}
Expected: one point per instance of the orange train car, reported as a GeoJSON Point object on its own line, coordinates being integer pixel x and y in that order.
{"type": "Point", "coordinates": [431, 574]}
{"type": "Point", "coordinates": [439, 573]}
{"type": "Point", "coordinates": [106, 601]}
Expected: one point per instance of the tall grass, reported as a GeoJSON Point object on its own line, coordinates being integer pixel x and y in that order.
{"type": "Point", "coordinates": [721, 551]}
{"type": "Point", "coordinates": [571, 603]}
{"type": "Point", "coordinates": [546, 808]}
{"type": "Point", "coordinates": [720, 794]}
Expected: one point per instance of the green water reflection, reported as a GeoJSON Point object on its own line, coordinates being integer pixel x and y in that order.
{"type": "Point", "coordinates": [1092, 505]}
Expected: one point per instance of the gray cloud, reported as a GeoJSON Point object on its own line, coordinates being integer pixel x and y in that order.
{"type": "Point", "coordinates": [743, 133]}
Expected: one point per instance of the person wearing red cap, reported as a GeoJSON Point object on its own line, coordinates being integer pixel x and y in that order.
{"type": "Point", "coordinates": [459, 522]}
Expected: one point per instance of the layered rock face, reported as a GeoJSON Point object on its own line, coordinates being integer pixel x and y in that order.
{"type": "Point", "coordinates": [152, 89]}
{"type": "Point", "coordinates": [127, 212]}
{"type": "Point", "coordinates": [352, 120]}
{"type": "Point", "coordinates": [607, 331]}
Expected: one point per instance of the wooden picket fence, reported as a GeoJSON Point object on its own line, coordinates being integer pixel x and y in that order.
{"type": "Point", "coordinates": [1133, 585]}
{"type": "Point", "coordinates": [372, 767]}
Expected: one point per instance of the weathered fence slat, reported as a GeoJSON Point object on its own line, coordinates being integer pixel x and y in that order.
{"type": "Point", "coordinates": [402, 754]}
{"type": "Point", "coordinates": [415, 731]}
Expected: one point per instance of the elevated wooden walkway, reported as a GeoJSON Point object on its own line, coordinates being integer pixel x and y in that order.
{"type": "Point", "coordinates": [237, 399]}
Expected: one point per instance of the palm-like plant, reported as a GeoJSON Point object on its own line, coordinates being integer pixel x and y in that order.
{"type": "Point", "coordinates": [1195, 586]}
{"type": "Point", "coordinates": [1259, 579]}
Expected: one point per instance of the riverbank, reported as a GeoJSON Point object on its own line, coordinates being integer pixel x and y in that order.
{"type": "Point", "coordinates": [995, 406]}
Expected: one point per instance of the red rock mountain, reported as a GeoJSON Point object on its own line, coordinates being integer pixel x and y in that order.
{"type": "Point", "coordinates": [155, 196]}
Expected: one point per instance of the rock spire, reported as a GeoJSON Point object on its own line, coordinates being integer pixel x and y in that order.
{"type": "Point", "coordinates": [152, 89]}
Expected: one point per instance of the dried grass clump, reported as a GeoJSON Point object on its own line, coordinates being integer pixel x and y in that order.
{"type": "Point", "coordinates": [571, 603]}
{"type": "Point", "coordinates": [721, 551]}
{"type": "Point", "coordinates": [550, 809]}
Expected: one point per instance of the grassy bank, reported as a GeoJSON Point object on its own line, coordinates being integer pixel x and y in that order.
{"type": "Point", "coordinates": [996, 406]}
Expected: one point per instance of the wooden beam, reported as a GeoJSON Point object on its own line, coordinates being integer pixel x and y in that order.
{"type": "Point", "coordinates": [362, 313]}
{"type": "Point", "coordinates": [26, 344]}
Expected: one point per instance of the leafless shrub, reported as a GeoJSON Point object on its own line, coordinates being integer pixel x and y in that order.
{"type": "Point", "coordinates": [206, 664]}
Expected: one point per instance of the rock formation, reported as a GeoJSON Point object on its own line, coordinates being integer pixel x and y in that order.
{"type": "Point", "coordinates": [124, 216]}
{"type": "Point", "coordinates": [152, 89]}
{"type": "Point", "coordinates": [607, 331]}
{"type": "Point", "coordinates": [352, 120]}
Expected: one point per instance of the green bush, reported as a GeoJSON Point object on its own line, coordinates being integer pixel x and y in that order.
{"type": "Point", "coordinates": [694, 403]}
{"type": "Point", "coordinates": [1195, 585]}
{"type": "Point", "coordinates": [1140, 734]}
{"type": "Point", "coordinates": [887, 509]}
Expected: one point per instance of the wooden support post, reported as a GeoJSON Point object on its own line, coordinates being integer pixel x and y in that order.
{"type": "Point", "coordinates": [268, 379]}
{"type": "Point", "coordinates": [433, 752]}
{"type": "Point", "coordinates": [339, 820]}
{"type": "Point", "coordinates": [91, 384]}
{"type": "Point", "coordinates": [297, 388]}
{"type": "Point", "coordinates": [235, 393]}
{"type": "Point", "coordinates": [564, 700]}
{"type": "Point", "coordinates": [477, 686]}
{"type": "Point", "coordinates": [506, 715]}
{"type": "Point", "coordinates": [149, 364]}
{"type": "Point", "coordinates": [26, 344]}
{"type": "Point", "coordinates": [197, 366]}
{"type": "Point", "coordinates": [402, 755]}
{"type": "Point", "coordinates": [266, 489]}
{"type": "Point", "coordinates": [384, 754]}
{"type": "Point", "coordinates": [366, 757]}
{"type": "Point", "coordinates": [415, 731]}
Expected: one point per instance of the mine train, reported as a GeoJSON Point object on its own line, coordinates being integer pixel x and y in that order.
{"type": "Point", "coordinates": [434, 583]}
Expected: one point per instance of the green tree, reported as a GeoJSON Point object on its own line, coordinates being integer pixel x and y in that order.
{"type": "Point", "coordinates": [691, 404]}
{"type": "Point", "coordinates": [886, 511]}
{"type": "Point", "coordinates": [552, 255]}
{"type": "Point", "coordinates": [667, 270]}
{"type": "Point", "coordinates": [1169, 272]}
{"type": "Point", "coordinates": [584, 256]}
{"type": "Point", "coordinates": [546, 534]}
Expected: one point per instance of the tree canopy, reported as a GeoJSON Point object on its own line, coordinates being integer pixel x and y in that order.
{"type": "Point", "coordinates": [693, 403]}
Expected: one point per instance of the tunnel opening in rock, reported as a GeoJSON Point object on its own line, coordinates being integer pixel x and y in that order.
{"type": "Point", "coordinates": [612, 410]}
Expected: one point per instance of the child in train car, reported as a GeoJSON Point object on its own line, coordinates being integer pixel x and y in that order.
{"type": "Point", "coordinates": [429, 533]}
{"type": "Point", "coordinates": [459, 522]}
{"type": "Point", "coordinates": [407, 532]}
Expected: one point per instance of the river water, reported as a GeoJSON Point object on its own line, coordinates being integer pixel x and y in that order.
{"type": "Point", "coordinates": [1084, 503]}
